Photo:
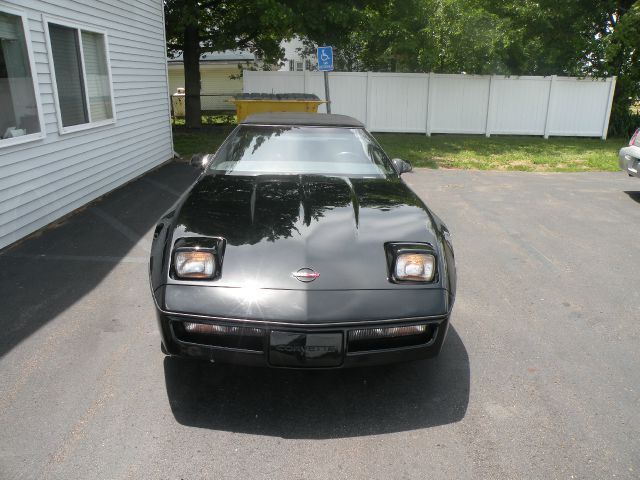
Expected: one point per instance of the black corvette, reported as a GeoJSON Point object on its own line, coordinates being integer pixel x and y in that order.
{"type": "Point", "coordinates": [300, 246]}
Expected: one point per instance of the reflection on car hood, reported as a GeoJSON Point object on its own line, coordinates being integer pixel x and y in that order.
{"type": "Point", "coordinates": [275, 225]}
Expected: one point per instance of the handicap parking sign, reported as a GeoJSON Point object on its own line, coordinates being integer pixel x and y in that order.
{"type": "Point", "coordinates": [325, 59]}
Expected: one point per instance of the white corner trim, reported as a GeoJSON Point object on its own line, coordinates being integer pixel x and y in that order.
{"type": "Point", "coordinates": [34, 80]}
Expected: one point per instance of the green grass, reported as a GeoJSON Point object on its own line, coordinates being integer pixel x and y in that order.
{"type": "Point", "coordinates": [206, 140]}
{"type": "Point", "coordinates": [561, 154]}
{"type": "Point", "coordinates": [565, 154]}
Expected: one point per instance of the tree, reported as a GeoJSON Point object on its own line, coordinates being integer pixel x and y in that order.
{"type": "Point", "coordinates": [576, 37]}
{"type": "Point", "coordinates": [622, 58]}
{"type": "Point", "coordinates": [511, 37]}
{"type": "Point", "coordinates": [195, 27]}
{"type": "Point", "coordinates": [449, 36]}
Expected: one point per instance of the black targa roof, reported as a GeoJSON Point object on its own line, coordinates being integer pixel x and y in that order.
{"type": "Point", "coordinates": [302, 119]}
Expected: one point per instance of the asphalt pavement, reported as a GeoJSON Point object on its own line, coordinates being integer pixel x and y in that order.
{"type": "Point", "coordinates": [539, 376]}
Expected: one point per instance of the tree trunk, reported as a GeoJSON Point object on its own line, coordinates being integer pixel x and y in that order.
{"type": "Point", "coordinates": [191, 61]}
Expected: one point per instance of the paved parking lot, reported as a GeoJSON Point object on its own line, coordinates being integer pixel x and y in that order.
{"type": "Point", "coordinates": [539, 377]}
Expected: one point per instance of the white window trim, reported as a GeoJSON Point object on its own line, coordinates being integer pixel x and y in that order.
{"type": "Point", "coordinates": [34, 78]}
{"type": "Point", "coordinates": [62, 130]}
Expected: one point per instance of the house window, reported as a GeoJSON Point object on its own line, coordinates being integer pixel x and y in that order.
{"type": "Point", "coordinates": [292, 65]}
{"type": "Point", "coordinates": [82, 77]}
{"type": "Point", "coordinates": [299, 66]}
{"type": "Point", "coordinates": [20, 115]}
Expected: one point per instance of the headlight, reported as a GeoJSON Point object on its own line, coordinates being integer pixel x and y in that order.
{"type": "Point", "coordinates": [416, 267]}
{"type": "Point", "coordinates": [411, 262]}
{"type": "Point", "coordinates": [194, 264]}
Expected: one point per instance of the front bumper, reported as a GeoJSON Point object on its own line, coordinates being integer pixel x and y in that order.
{"type": "Point", "coordinates": [252, 344]}
{"type": "Point", "coordinates": [246, 322]}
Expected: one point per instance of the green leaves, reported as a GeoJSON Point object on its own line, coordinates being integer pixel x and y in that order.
{"type": "Point", "coordinates": [260, 25]}
{"type": "Point", "coordinates": [512, 37]}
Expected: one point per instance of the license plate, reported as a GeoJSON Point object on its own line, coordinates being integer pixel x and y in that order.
{"type": "Point", "coordinates": [290, 349]}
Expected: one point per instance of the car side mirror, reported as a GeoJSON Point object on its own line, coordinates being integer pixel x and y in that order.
{"type": "Point", "coordinates": [401, 166]}
{"type": "Point", "coordinates": [200, 160]}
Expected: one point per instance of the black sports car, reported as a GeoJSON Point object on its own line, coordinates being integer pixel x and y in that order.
{"type": "Point", "coordinates": [300, 246]}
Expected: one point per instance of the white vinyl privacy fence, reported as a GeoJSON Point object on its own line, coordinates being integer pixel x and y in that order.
{"type": "Point", "coordinates": [439, 103]}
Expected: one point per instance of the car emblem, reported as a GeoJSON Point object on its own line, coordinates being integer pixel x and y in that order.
{"type": "Point", "coordinates": [306, 275]}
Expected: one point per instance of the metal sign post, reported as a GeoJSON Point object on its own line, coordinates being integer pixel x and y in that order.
{"type": "Point", "coordinates": [325, 64]}
{"type": "Point", "coordinates": [326, 91]}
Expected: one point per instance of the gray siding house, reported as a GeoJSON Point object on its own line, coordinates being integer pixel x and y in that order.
{"type": "Point", "coordinates": [84, 104]}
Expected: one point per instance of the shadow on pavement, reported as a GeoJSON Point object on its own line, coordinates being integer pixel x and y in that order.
{"type": "Point", "coordinates": [47, 273]}
{"type": "Point", "coordinates": [321, 404]}
{"type": "Point", "coordinates": [634, 196]}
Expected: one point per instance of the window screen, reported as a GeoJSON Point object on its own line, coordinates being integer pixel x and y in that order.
{"type": "Point", "coordinates": [82, 75]}
{"type": "Point", "coordinates": [95, 64]}
{"type": "Point", "coordinates": [66, 61]}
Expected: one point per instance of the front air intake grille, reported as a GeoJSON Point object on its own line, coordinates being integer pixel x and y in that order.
{"type": "Point", "coordinates": [371, 339]}
{"type": "Point", "coordinates": [244, 338]}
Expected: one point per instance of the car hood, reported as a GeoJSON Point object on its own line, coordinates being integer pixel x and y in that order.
{"type": "Point", "coordinates": [276, 225]}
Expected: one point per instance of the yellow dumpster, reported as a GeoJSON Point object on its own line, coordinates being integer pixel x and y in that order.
{"type": "Point", "coordinates": [249, 103]}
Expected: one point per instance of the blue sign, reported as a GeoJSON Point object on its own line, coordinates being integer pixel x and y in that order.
{"type": "Point", "coordinates": [325, 59]}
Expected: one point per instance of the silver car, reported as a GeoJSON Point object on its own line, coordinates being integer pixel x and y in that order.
{"type": "Point", "coordinates": [629, 157]}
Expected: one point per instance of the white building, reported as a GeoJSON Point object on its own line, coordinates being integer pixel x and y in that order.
{"type": "Point", "coordinates": [294, 60]}
{"type": "Point", "coordinates": [221, 73]}
{"type": "Point", "coordinates": [84, 104]}
{"type": "Point", "coordinates": [220, 77]}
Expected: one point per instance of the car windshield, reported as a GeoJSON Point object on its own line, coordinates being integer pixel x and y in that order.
{"type": "Point", "coordinates": [257, 150]}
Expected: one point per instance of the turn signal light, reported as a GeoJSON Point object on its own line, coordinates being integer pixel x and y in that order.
{"type": "Point", "coordinates": [390, 332]}
{"type": "Point", "coordinates": [207, 329]}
